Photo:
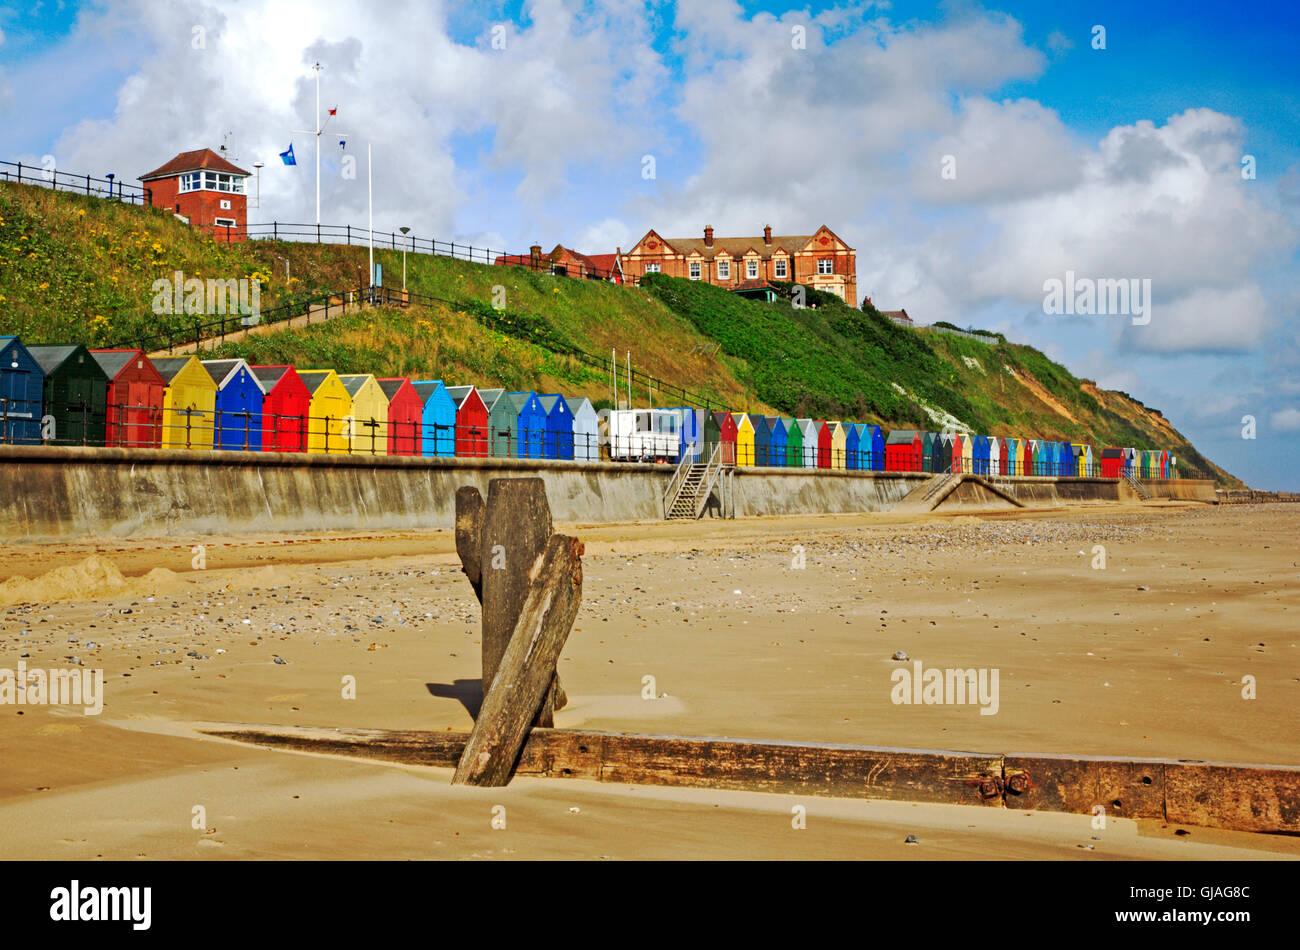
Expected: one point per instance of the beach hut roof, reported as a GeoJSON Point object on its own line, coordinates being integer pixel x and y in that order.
{"type": "Point", "coordinates": [902, 436]}
{"type": "Point", "coordinates": [354, 381]}
{"type": "Point", "coordinates": [222, 370]}
{"type": "Point", "coordinates": [111, 362]}
{"type": "Point", "coordinates": [52, 357]}
{"type": "Point", "coordinates": [268, 376]}
{"type": "Point", "coordinates": [313, 379]}
{"type": "Point", "coordinates": [169, 366]}
{"type": "Point", "coordinates": [391, 386]}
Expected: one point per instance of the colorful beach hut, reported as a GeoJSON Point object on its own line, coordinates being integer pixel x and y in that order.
{"type": "Point", "coordinates": [838, 441]}
{"type": "Point", "coordinates": [529, 437]}
{"type": "Point", "coordinates": [133, 418]}
{"type": "Point", "coordinates": [557, 439]}
{"type": "Point", "coordinates": [744, 439]}
{"type": "Point", "coordinates": [793, 442]}
{"type": "Point", "coordinates": [903, 451]}
{"type": "Point", "coordinates": [720, 429]}
{"type": "Point", "coordinates": [438, 421]}
{"type": "Point", "coordinates": [327, 413]}
{"type": "Point", "coordinates": [75, 393]}
{"type": "Point", "coordinates": [189, 403]}
{"type": "Point", "coordinates": [238, 406]}
{"type": "Point", "coordinates": [776, 447]}
{"type": "Point", "coordinates": [286, 404]}
{"type": "Point", "coordinates": [1112, 462]}
{"type": "Point", "coordinates": [502, 421]}
{"type": "Point", "coordinates": [471, 433]}
{"type": "Point", "coordinates": [22, 393]}
{"type": "Point", "coordinates": [877, 448]}
{"type": "Point", "coordinates": [823, 444]}
{"type": "Point", "coordinates": [405, 415]}
{"type": "Point", "coordinates": [586, 430]}
{"type": "Point", "coordinates": [852, 446]}
{"type": "Point", "coordinates": [367, 430]}
{"type": "Point", "coordinates": [762, 440]}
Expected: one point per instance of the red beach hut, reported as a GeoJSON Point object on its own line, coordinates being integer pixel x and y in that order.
{"type": "Point", "coordinates": [135, 398]}
{"type": "Point", "coordinates": [284, 409]}
{"type": "Point", "coordinates": [405, 415]}
{"type": "Point", "coordinates": [825, 440]}
{"type": "Point", "coordinates": [471, 422]}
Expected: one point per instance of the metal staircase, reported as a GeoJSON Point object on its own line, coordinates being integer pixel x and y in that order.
{"type": "Point", "coordinates": [1137, 485]}
{"type": "Point", "coordinates": [691, 485]}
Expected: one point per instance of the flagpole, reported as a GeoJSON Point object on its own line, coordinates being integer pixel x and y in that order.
{"type": "Point", "coordinates": [318, 145]}
{"type": "Point", "coordinates": [370, 189]}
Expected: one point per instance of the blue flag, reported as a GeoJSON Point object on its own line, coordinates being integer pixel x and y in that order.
{"type": "Point", "coordinates": [343, 143]}
{"type": "Point", "coordinates": [288, 156]}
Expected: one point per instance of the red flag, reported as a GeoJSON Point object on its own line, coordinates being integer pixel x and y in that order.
{"type": "Point", "coordinates": [334, 111]}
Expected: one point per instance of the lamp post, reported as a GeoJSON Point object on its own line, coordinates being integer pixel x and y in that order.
{"type": "Point", "coordinates": [405, 232]}
{"type": "Point", "coordinates": [259, 166]}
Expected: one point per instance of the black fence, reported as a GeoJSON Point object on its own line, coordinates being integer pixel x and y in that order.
{"type": "Point", "coordinates": [413, 244]}
{"type": "Point", "coordinates": [52, 178]}
{"type": "Point", "coordinates": [324, 305]}
{"type": "Point", "coordinates": [150, 426]}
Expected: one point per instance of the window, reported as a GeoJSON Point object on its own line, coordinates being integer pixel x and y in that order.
{"type": "Point", "coordinates": [825, 265]}
{"type": "Point", "coordinates": [751, 269]}
{"type": "Point", "coordinates": [226, 222]}
{"type": "Point", "coordinates": [652, 268]}
{"type": "Point", "coordinates": [724, 270]}
{"type": "Point", "coordinates": [695, 270]}
{"type": "Point", "coordinates": [780, 268]}
{"type": "Point", "coordinates": [211, 181]}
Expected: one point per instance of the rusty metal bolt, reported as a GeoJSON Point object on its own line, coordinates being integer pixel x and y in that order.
{"type": "Point", "coordinates": [1018, 784]}
{"type": "Point", "coordinates": [990, 787]}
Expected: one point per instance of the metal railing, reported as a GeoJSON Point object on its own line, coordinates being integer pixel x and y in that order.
{"type": "Point", "coordinates": [55, 180]}
{"type": "Point", "coordinates": [349, 235]}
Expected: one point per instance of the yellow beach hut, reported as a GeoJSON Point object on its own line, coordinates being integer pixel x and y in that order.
{"type": "Point", "coordinates": [189, 403]}
{"type": "Point", "coordinates": [330, 406]}
{"type": "Point", "coordinates": [369, 414]}
{"type": "Point", "coordinates": [744, 439]}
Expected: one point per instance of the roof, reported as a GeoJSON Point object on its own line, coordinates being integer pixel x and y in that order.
{"type": "Point", "coordinates": [425, 388]}
{"type": "Point", "coordinates": [896, 315]}
{"type": "Point", "coordinates": [113, 362]}
{"type": "Point", "coordinates": [521, 399]}
{"type": "Point", "coordinates": [354, 381]}
{"type": "Point", "coordinates": [51, 357]}
{"type": "Point", "coordinates": [270, 376]}
{"type": "Point", "coordinates": [314, 378]}
{"type": "Point", "coordinates": [169, 366]}
{"type": "Point", "coordinates": [603, 262]}
{"type": "Point", "coordinates": [201, 158]}
{"type": "Point", "coordinates": [740, 246]}
{"type": "Point", "coordinates": [902, 436]}
{"type": "Point", "coordinates": [391, 386]}
{"type": "Point", "coordinates": [549, 402]}
{"type": "Point", "coordinates": [222, 370]}
{"type": "Point", "coordinates": [491, 397]}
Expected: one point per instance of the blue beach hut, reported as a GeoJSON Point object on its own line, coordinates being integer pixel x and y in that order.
{"type": "Point", "coordinates": [22, 389]}
{"type": "Point", "coordinates": [557, 439]}
{"type": "Point", "coordinates": [529, 438]}
{"type": "Point", "coordinates": [438, 421]}
{"type": "Point", "coordinates": [239, 405]}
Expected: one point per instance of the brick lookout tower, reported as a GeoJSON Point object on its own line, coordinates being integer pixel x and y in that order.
{"type": "Point", "coordinates": [203, 189]}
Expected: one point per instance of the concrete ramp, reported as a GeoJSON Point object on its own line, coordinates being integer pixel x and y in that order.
{"type": "Point", "coordinates": [956, 490]}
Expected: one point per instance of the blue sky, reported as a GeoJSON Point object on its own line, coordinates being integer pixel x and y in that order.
{"type": "Point", "coordinates": [1114, 163]}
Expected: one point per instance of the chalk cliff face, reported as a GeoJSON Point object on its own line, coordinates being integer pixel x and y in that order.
{"type": "Point", "coordinates": [85, 270]}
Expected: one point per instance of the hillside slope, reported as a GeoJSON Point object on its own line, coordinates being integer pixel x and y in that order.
{"type": "Point", "coordinates": [79, 268]}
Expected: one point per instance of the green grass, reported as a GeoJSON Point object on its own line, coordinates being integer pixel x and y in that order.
{"type": "Point", "coordinates": [79, 268]}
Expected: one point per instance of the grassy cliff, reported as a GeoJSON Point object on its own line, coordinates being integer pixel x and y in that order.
{"type": "Point", "coordinates": [80, 268]}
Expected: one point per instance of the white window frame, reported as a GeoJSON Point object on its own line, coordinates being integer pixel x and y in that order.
{"type": "Point", "coordinates": [210, 181]}
{"type": "Point", "coordinates": [751, 270]}
{"type": "Point", "coordinates": [225, 222]}
{"type": "Point", "coordinates": [724, 270]}
{"type": "Point", "coordinates": [696, 270]}
{"type": "Point", "coordinates": [652, 268]}
{"type": "Point", "coordinates": [781, 268]}
{"type": "Point", "coordinates": [825, 265]}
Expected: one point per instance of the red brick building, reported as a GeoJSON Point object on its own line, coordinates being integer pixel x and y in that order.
{"type": "Point", "coordinates": [205, 190]}
{"type": "Point", "coordinates": [568, 262]}
{"type": "Point", "coordinates": [820, 260]}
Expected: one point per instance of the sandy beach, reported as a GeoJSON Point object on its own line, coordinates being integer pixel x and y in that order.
{"type": "Point", "coordinates": [756, 628]}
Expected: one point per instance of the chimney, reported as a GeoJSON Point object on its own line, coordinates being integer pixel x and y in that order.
{"type": "Point", "coordinates": [708, 235]}
{"type": "Point", "coordinates": [767, 234]}
{"type": "Point", "coordinates": [535, 255]}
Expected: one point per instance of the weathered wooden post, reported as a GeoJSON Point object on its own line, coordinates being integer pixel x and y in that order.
{"type": "Point", "coordinates": [503, 547]}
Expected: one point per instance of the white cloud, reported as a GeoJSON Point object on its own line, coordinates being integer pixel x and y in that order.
{"type": "Point", "coordinates": [1286, 420]}
{"type": "Point", "coordinates": [1207, 320]}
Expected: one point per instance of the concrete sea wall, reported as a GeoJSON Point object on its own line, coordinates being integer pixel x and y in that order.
{"type": "Point", "coordinates": [49, 492]}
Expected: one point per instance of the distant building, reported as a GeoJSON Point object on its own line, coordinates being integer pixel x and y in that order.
{"type": "Point", "coordinates": [895, 316]}
{"type": "Point", "coordinates": [564, 261]}
{"type": "Point", "coordinates": [205, 190]}
{"type": "Point", "coordinates": [819, 260]}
